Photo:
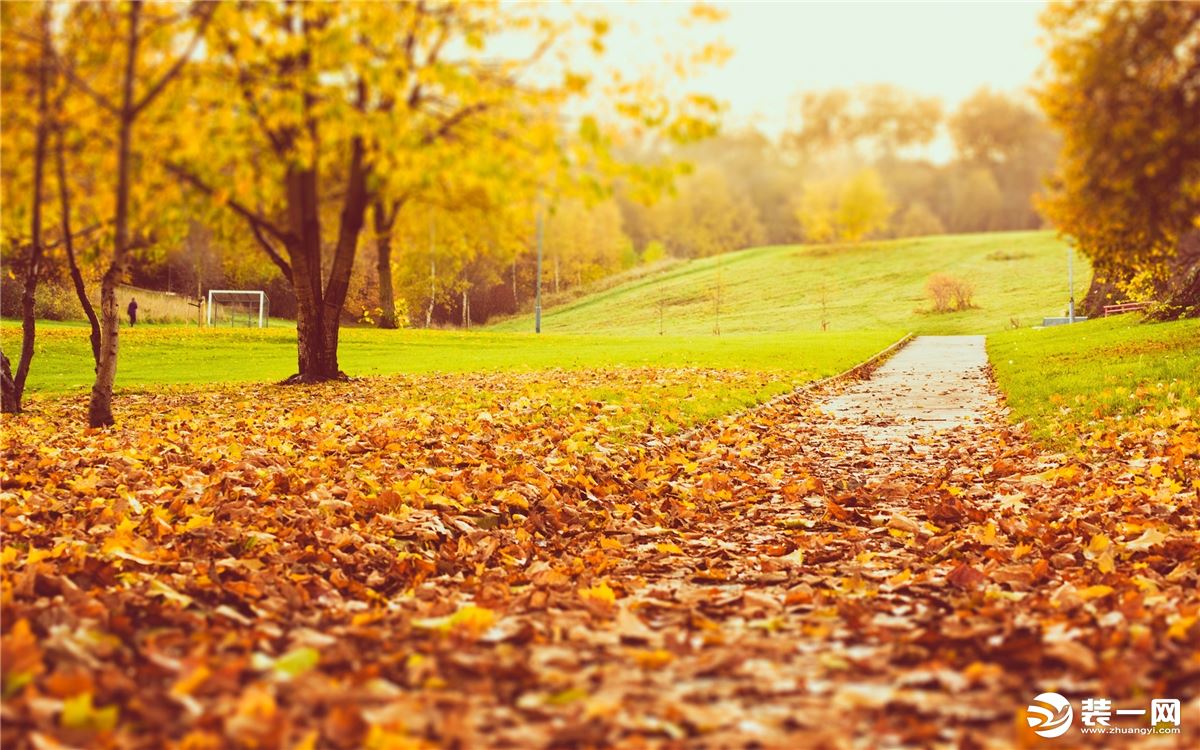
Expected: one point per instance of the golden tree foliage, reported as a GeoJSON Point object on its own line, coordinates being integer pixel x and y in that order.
{"type": "Point", "coordinates": [846, 210]}
{"type": "Point", "coordinates": [1122, 86]}
{"type": "Point", "coordinates": [306, 121]}
{"type": "Point", "coordinates": [706, 217]}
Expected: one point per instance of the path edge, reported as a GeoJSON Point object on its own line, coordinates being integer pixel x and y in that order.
{"type": "Point", "coordinates": [856, 372]}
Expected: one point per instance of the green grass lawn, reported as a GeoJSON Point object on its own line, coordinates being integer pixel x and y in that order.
{"type": "Point", "coordinates": [164, 354]}
{"type": "Point", "coordinates": [1018, 276]}
{"type": "Point", "coordinates": [1067, 381]}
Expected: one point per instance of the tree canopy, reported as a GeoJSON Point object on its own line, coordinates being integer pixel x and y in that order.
{"type": "Point", "coordinates": [1122, 87]}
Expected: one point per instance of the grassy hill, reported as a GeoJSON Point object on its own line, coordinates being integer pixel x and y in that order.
{"type": "Point", "coordinates": [1019, 276]}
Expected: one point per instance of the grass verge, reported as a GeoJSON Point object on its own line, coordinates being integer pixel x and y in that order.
{"type": "Point", "coordinates": [1070, 382]}
{"type": "Point", "coordinates": [643, 373]}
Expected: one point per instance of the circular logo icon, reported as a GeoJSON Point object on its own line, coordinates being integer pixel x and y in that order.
{"type": "Point", "coordinates": [1049, 715]}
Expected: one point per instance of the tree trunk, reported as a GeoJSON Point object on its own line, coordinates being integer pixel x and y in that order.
{"type": "Point", "coordinates": [318, 319]}
{"type": "Point", "coordinates": [33, 266]}
{"type": "Point", "coordinates": [9, 403]}
{"type": "Point", "coordinates": [383, 245]}
{"type": "Point", "coordinates": [432, 273]}
{"type": "Point", "coordinates": [100, 406]}
{"type": "Point", "coordinates": [1184, 287]}
{"type": "Point", "coordinates": [1104, 290]}
{"type": "Point", "coordinates": [354, 213]}
{"type": "Point", "coordinates": [64, 200]}
{"type": "Point", "coordinates": [304, 250]}
{"type": "Point", "coordinates": [432, 292]}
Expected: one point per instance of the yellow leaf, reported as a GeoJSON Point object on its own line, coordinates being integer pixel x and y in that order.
{"type": "Point", "coordinates": [473, 618]}
{"type": "Point", "coordinates": [188, 683]}
{"type": "Point", "coordinates": [1095, 592]}
{"type": "Point", "coordinates": [199, 521]}
{"type": "Point", "coordinates": [988, 536]}
{"type": "Point", "coordinates": [668, 548]}
{"type": "Point", "coordinates": [1098, 544]}
{"type": "Point", "coordinates": [1179, 629]}
{"type": "Point", "coordinates": [599, 593]}
{"type": "Point", "coordinates": [79, 713]}
{"type": "Point", "coordinates": [796, 557]}
{"type": "Point", "coordinates": [655, 659]}
{"type": "Point", "coordinates": [470, 619]}
{"type": "Point", "coordinates": [1149, 538]}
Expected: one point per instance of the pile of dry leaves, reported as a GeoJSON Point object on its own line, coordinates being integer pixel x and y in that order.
{"type": "Point", "coordinates": [358, 565]}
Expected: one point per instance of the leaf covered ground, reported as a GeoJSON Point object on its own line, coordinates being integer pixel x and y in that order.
{"type": "Point", "coordinates": [482, 561]}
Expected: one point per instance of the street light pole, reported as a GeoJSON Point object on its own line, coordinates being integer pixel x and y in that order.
{"type": "Point", "coordinates": [537, 305]}
{"type": "Point", "coordinates": [1071, 279]}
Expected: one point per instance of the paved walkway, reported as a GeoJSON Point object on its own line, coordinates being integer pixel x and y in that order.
{"type": "Point", "coordinates": [786, 581]}
{"type": "Point", "coordinates": [935, 383]}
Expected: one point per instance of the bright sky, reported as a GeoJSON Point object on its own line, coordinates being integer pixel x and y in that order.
{"type": "Point", "coordinates": [780, 48]}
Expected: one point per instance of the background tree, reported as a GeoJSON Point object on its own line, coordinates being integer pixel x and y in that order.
{"type": "Point", "coordinates": [844, 210]}
{"type": "Point", "coordinates": [1009, 138]}
{"type": "Point", "coordinates": [879, 118]}
{"type": "Point", "coordinates": [919, 221]}
{"type": "Point", "coordinates": [864, 206]}
{"type": "Point", "coordinates": [1122, 87]}
{"type": "Point", "coordinates": [972, 199]}
{"type": "Point", "coordinates": [706, 217]}
{"type": "Point", "coordinates": [155, 43]}
{"type": "Point", "coordinates": [33, 61]}
{"type": "Point", "coordinates": [818, 209]}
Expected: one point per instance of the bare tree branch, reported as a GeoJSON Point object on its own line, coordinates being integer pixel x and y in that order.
{"type": "Point", "coordinates": [270, 250]}
{"type": "Point", "coordinates": [448, 125]}
{"type": "Point", "coordinates": [157, 87]}
{"type": "Point", "coordinates": [254, 217]}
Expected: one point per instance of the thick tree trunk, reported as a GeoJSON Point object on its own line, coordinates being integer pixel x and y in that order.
{"type": "Point", "coordinates": [387, 296]}
{"type": "Point", "coordinates": [1104, 290]}
{"type": "Point", "coordinates": [312, 363]}
{"type": "Point", "coordinates": [100, 407]}
{"type": "Point", "coordinates": [319, 311]}
{"type": "Point", "coordinates": [1184, 287]}
{"type": "Point", "coordinates": [354, 212]}
{"type": "Point", "coordinates": [383, 245]}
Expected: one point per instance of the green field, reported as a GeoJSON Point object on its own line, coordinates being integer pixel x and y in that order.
{"type": "Point", "coordinates": [1019, 277]}
{"type": "Point", "coordinates": [164, 354]}
{"type": "Point", "coordinates": [1067, 381]}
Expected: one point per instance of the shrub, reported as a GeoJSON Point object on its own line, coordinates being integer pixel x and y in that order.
{"type": "Point", "coordinates": [57, 301]}
{"type": "Point", "coordinates": [949, 293]}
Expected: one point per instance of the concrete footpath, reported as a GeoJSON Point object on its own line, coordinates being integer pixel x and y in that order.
{"type": "Point", "coordinates": [935, 383]}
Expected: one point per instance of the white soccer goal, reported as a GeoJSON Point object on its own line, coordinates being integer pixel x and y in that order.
{"type": "Point", "coordinates": [238, 307]}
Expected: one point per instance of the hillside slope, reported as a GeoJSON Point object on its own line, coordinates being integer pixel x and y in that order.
{"type": "Point", "coordinates": [1018, 276]}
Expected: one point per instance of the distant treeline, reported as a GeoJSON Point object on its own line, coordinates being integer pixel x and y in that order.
{"type": "Point", "coordinates": [852, 167]}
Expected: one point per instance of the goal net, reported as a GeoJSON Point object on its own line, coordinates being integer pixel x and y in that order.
{"type": "Point", "coordinates": [237, 307]}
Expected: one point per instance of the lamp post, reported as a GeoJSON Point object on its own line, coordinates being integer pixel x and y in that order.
{"type": "Point", "coordinates": [1071, 279]}
{"type": "Point", "coordinates": [537, 304]}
